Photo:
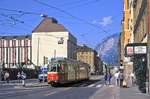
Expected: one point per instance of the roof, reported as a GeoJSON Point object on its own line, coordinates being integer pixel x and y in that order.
{"type": "Point", "coordinates": [84, 48]}
{"type": "Point", "coordinates": [15, 37]}
{"type": "Point", "coordinates": [49, 25]}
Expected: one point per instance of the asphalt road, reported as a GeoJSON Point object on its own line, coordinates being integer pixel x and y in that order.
{"type": "Point", "coordinates": [82, 90]}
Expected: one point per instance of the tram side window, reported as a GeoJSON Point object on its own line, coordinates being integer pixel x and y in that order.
{"type": "Point", "coordinates": [60, 68]}
{"type": "Point", "coordinates": [57, 68]}
{"type": "Point", "coordinates": [53, 69]}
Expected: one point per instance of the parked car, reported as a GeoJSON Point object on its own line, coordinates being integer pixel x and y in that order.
{"type": "Point", "coordinates": [43, 74]}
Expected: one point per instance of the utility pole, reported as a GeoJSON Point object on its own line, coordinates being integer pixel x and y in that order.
{"type": "Point", "coordinates": [38, 52]}
{"type": "Point", "coordinates": [54, 53]}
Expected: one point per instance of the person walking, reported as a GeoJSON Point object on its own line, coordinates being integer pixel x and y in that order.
{"type": "Point", "coordinates": [109, 76]}
{"type": "Point", "coordinates": [117, 80]}
{"type": "Point", "coordinates": [121, 78]}
{"type": "Point", "coordinates": [19, 76]}
{"type": "Point", "coordinates": [131, 79]}
{"type": "Point", "coordinates": [6, 76]}
{"type": "Point", "coordinates": [105, 77]}
{"type": "Point", "coordinates": [2, 76]}
{"type": "Point", "coordinates": [23, 77]}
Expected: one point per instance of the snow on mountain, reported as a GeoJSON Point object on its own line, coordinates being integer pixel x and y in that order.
{"type": "Point", "coordinates": [108, 49]}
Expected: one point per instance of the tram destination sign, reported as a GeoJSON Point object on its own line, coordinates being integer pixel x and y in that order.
{"type": "Point", "coordinates": [135, 49]}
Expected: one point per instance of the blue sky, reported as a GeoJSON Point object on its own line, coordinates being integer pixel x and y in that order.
{"type": "Point", "coordinates": [103, 14]}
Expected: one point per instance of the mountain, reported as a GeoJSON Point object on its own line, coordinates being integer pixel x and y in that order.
{"type": "Point", "coordinates": [108, 49]}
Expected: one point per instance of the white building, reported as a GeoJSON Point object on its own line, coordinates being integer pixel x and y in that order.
{"type": "Point", "coordinates": [50, 39]}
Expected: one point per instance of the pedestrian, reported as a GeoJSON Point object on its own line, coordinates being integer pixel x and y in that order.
{"type": "Point", "coordinates": [23, 77]}
{"type": "Point", "coordinates": [6, 76]}
{"type": "Point", "coordinates": [19, 76]}
{"type": "Point", "coordinates": [121, 78]}
{"type": "Point", "coordinates": [117, 80]}
{"type": "Point", "coordinates": [105, 77]}
{"type": "Point", "coordinates": [131, 79]}
{"type": "Point", "coordinates": [2, 76]}
{"type": "Point", "coordinates": [109, 76]}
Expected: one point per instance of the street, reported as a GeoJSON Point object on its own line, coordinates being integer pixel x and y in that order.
{"type": "Point", "coordinates": [82, 90]}
{"type": "Point", "coordinates": [91, 89]}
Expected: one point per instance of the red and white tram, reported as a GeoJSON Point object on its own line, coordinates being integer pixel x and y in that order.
{"type": "Point", "coordinates": [63, 70]}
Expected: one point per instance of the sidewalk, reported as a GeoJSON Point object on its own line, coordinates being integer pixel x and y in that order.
{"type": "Point", "coordinates": [114, 92]}
{"type": "Point", "coordinates": [18, 81]}
{"type": "Point", "coordinates": [106, 92]}
{"type": "Point", "coordinates": [29, 83]}
{"type": "Point", "coordinates": [132, 93]}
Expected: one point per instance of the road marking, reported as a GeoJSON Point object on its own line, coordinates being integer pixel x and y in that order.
{"type": "Point", "coordinates": [91, 85]}
{"type": "Point", "coordinates": [98, 86]}
{"type": "Point", "coordinates": [67, 88]}
{"type": "Point", "coordinates": [111, 85]}
{"type": "Point", "coordinates": [50, 93]}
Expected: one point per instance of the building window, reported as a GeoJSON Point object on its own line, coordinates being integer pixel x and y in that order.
{"type": "Point", "coordinates": [128, 4]}
{"type": "Point", "coordinates": [128, 24]}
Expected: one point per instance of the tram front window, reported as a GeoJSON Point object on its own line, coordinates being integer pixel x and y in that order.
{"type": "Point", "coordinates": [53, 68]}
{"type": "Point", "coordinates": [57, 68]}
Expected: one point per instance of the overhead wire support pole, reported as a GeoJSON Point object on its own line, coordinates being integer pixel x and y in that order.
{"type": "Point", "coordinates": [38, 46]}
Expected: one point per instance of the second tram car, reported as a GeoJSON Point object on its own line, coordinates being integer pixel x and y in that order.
{"type": "Point", "coordinates": [63, 70]}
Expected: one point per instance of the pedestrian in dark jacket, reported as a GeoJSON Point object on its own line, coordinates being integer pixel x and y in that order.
{"type": "Point", "coordinates": [121, 77]}
{"type": "Point", "coordinates": [109, 76]}
{"type": "Point", "coordinates": [105, 77]}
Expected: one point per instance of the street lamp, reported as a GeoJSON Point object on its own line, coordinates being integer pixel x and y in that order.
{"type": "Point", "coordinates": [44, 15]}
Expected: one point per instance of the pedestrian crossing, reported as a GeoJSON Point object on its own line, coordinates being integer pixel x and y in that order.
{"type": "Point", "coordinates": [95, 86]}
{"type": "Point", "coordinates": [90, 85]}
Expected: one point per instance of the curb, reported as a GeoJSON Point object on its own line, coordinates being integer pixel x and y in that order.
{"type": "Point", "coordinates": [37, 85]}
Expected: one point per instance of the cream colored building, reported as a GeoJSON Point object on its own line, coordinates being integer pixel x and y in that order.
{"type": "Point", "coordinates": [127, 60]}
{"type": "Point", "coordinates": [50, 39]}
{"type": "Point", "coordinates": [89, 56]}
{"type": "Point", "coordinates": [127, 36]}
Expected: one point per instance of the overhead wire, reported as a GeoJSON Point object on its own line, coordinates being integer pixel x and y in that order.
{"type": "Point", "coordinates": [20, 11]}
{"type": "Point", "coordinates": [84, 38]}
{"type": "Point", "coordinates": [88, 2]}
{"type": "Point", "coordinates": [69, 14]}
{"type": "Point", "coordinates": [58, 9]}
{"type": "Point", "coordinates": [71, 3]}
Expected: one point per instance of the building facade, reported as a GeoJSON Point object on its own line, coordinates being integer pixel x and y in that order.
{"type": "Point", "coordinates": [135, 30]}
{"type": "Point", "coordinates": [15, 51]}
{"type": "Point", "coordinates": [141, 26]}
{"type": "Point", "coordinates": [51, 39]}
{"type": "Point", "coordinates": [89, 56]}
{"type": "Point", "coordinates": [140, 21]}
{"type": "Point", "coordinates": [127, 36]}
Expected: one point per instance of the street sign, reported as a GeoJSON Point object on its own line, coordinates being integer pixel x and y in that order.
{"type": "Point", "coordinates": [130, 50]}
{"type": "Point", "coordinates": [135, 49]}
{"type": "Point", "coordinates": [140, 50]}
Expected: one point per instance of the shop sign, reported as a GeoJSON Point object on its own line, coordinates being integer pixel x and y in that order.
{"type": "Point", "coordinates": [135, 49]}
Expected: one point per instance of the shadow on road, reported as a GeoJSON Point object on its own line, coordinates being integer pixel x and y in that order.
{"type": "Point", "coordinates": [78, 84]}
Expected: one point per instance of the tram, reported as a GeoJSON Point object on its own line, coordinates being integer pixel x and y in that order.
{"type": "Point", "coordinates": [63, 70]}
